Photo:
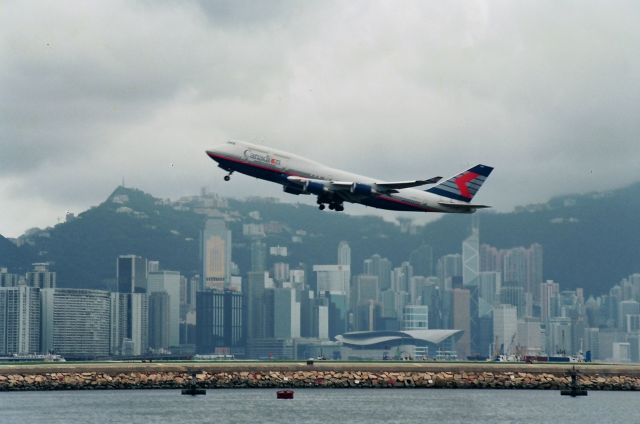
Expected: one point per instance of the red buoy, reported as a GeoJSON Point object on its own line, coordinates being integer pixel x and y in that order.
{"type": "Point", "coordinates": [284, 394]}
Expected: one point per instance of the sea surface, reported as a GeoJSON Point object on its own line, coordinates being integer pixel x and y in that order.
{"type": "Point", "coordinates": [319, 406]}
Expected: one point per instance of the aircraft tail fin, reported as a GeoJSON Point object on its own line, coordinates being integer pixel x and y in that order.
{"type": "Point", "coordinates": [464, 185]}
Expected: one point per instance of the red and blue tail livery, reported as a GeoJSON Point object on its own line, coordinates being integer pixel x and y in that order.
{"type": "Point", "coordinates": [333, 187]}
{"type": "Point", "coordinates": [464, 185]}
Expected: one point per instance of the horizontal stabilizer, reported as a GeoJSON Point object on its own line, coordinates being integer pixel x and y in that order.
{"type": "Point", "coordinates": [463, 207]}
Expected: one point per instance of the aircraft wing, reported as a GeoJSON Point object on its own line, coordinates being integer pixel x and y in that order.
{"type": "Point", "coordinates": [407, 184]}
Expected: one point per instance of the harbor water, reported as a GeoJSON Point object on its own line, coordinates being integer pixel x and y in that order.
{"type": "Point", "coordinates": [318, 406]}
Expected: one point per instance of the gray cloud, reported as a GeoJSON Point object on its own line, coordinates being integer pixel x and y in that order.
{"type": "Point", "coordinates": [92, 92]}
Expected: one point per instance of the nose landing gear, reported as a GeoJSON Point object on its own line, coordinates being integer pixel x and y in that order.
{"type": "Point", "coordinates": [228, 176]}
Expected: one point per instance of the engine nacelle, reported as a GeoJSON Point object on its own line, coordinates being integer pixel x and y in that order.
{"type": "Point", "coordinates": [314, 187]}
{"type": "Point", "coordinates": [293, 189]}
{"type": "Point", "coordinates": [362, 189]}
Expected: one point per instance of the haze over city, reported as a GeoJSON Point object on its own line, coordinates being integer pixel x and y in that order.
{"type": "Point", "coordinates": [92, 93]}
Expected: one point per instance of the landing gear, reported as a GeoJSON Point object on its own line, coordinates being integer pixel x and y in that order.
{"type": "Point", "coordinates": [321, 206]}
{"type": "Point", "coordinates": [228, 176]}
{"type": "Point", "coordinates": [334, 206]}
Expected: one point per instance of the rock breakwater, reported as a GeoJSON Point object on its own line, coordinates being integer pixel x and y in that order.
{"type": "Point", "coordinates": [299, 378]}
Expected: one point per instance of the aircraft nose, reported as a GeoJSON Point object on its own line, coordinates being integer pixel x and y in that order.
{"type": "Point", "coordinates": [211, 154]}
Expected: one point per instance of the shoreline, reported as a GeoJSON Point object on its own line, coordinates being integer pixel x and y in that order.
{"type": "Point", "coordinates": [321, 374]}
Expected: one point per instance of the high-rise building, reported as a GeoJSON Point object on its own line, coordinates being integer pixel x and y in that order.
{"type": "Point", "coordinates": [76, 322]}
{"type": "Point", "coordinates": [280, 272]}
{"type": "Point", "coordinates": [461, 308]}
{"type": "Point", "coordinates": [471, 258]}
{"type": "Point", "coordinates": [489, 286]}
{"type": "Point", "coordinates": [505, 329]}
{"type": "Point", "coordinates": [216, 254]}
{"type": "Point", "coordinates": [159, 320]}
{"type": "Point", "coordinates": [421, 260]}
{"type": "Point", "coordinates": [129, 330]}
{"type": "Point", "coordinates": [559, 336]}
{"type": "Point", "coordinates": [401, 276]}
{"type": "Point", "coordinates": [19, 320]}
{"type": "Point", "coordinates": [416, 317]}
{"type": "Point", "coordinates": [132, 274]}
{"type": "Point", "coordinates": [41, 277]}
{"type": "Point", "coordinates": [626, 307]}
{"type": "Point", "coordinates": [168, 282]}
{"type": "Point", "coordinates": [219, 321]}
{"type": "Point", "coordinates": [366, 288]}
{"type": "Point", "coordinates": [512, 293]}
{"type": "Point", "coordinates": [333, 279]}
{"type": "Point", "coordinates": [253, 290]}
{"type": "Point", "coordinates": [449, 268]}
{"type": "Point", "coordinates": [549, 291]}
{"type": "Point", "coordinates": [379, 267]}
{"type": "Point", "coordinates": [286, 314]}
{"type": "Point", "coordinates": [258, 251]}
{"type": "Point", "coordinates": [8, 279]}
{"type": "Point", "coordinates": [530, 337]}
{"type": "Point", "coordinates": [344, 254]}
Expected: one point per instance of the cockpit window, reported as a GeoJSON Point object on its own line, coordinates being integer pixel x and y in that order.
{"type": "Point", "coordinates": [231, 142]}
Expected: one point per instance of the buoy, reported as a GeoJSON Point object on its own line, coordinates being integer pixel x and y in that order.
{"type": "Point", "coordinates": [193, 388]}
{"type": "Point", "coordinates": [284, 394]}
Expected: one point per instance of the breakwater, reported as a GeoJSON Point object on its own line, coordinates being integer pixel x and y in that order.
{"type": "Point", "coordinates": [90, 376]}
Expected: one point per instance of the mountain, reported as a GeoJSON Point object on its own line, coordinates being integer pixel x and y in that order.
{"type": "Point", "coordinates": [589, 240]}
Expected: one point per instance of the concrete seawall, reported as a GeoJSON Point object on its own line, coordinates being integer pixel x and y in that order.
{"type": "Point", "coordinates": [103, 376]}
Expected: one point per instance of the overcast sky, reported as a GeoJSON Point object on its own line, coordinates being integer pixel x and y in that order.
{"type": "Point", "coordinates": [548, 92]}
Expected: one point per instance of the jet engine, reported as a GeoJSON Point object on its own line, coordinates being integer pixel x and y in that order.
{"type": "Point", "coordinates": [362, 189]}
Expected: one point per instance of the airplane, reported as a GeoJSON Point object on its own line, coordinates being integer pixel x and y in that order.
{"type": "Point", "coordinates": [333, 187]}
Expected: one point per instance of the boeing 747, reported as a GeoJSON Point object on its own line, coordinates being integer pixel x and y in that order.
{"type": "Point", "coordinates": [333, 187]}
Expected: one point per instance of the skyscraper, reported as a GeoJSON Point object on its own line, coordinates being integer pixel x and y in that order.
{"type": "Point", "coordinates": [169, 282]}
{"type": "Point", "coordinates": [258, 252]}
{"type": "Point", "coordinates": [461, 302]}
{"type": "Point", "coordinates": [379, 267]}
{"type": "Point", "coordinates": [286, 314]}
{"type": "Point", "coordinates": [132, 274]}
{"type": "Point", "coordinates": [333, 279]}
{"type": "Point", "coordinates": [344, 253]}
{"type": "Point", "coordinates": [471, 258]}
{"type": "Point", "coordinates": [19, 320]}
{"type": "Point", "coordinates": [159, 320]}
{"type": "Point", "coordinates": [216, 254]}
{"type": "Point", "coordinates": [219, 321]}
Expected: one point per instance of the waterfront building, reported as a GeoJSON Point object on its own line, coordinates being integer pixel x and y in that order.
{"type": "Point", "coordinates": [41, 276]}
{"type": "Point", "coordinates": [19, 320]}
{"type": "Point", "coordinates": [129, 319]}
{"type": "Point", "coordinates": [505, 328]}
{"type": "Point", "coordinates": [625, 308]}
{"type": "Point", "coordinates": [286, 314]}
{"type": "Point", "coordinates": [168, 282]}
{"type": "Point", "coordinates": [559, 336]}
{"type": "Point", "coordinates": [216, 254]}
{"type": "Point", "coordinates": [366, 288]}
{"type": "Point", "coordinates": [76, 322]}
{"type": "Point", "coordinates": [253, 289]}
{"type": "Point", "coordinates": [159, 320]}
{"type": "Point", "coordinates": [529, 336]}
{"type": "Point", "coordinates": [461, 307]}
{"type": "Point", "coordinates": [219, 321]}
{"type": "Point", "coordinates": [132, 274]}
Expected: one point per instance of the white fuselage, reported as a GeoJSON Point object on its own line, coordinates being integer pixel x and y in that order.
{"type": "Point", "coordinates": [277, 166]}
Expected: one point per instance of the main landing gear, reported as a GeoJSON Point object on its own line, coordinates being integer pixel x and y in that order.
{"type": "Point", "coordinates": [334, 206]}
